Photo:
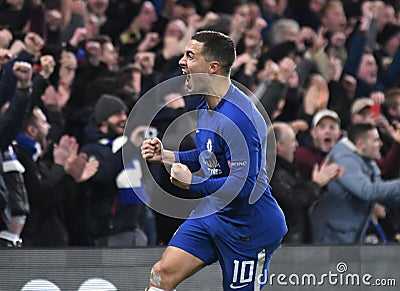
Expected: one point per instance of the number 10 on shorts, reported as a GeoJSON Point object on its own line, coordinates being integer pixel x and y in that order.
{"type": "Point", "coordinates": [243, 270]}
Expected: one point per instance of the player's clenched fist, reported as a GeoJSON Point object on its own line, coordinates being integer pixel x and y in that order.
{"type": "Point", "coordinates": [151, 150]}
{"type": "Point", "coordinates": [181, 175]}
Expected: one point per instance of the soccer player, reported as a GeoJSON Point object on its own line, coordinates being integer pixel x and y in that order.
{"type": "Point", "coordinates": [238, 222]}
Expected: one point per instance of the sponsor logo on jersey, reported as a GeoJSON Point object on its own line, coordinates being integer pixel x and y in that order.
{"type": "Point", "coordinates": [237, 164]}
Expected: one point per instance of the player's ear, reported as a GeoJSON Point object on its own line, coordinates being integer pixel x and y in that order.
{"type": "Point", "coordinates": [214, 67]}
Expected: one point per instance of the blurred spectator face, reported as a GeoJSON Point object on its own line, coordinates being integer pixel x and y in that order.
{"type": "Point", "coordinates": [284, 30]}
{"type": "Point", "coordinates": [39, 130]}
{"type": "Point", "coordinates": [93, 48]}
{"type": "Point", "coordinates": [175, 28]}
{"type": "Point", "coordinates": [325, 134]}
{"type": "Point", "coordinates": [53, 18]}
{"type": "Point", "coordinates": [5, 38]}
{"type": "Point", "coordinates": [98, 7]}
{"type": "Point", "coordinates": [109, 54]}
{"type": "Point", "coordinates": [92, 25]}
{"type": "Point", "coordinates": [268, 6]}
{"type": "Point", "coordinates": [242, 12]}
{"type": "Point", "coordinates": [254, 11]}
{"type": "Point", "coordinates": [183, 13]}
{"type": "Point", "coordinates": [116, 123]}
{"type": "Point", "coordinates": [147, 16]}
{"type": "Point", "coordinates": [334, 18]}
{"type": "Point", "coordinates": [291, 33]}
{"type": "Point", "coordinates": [368, 70]}
{"type": "Point", "coordinates": [252, 40]}
{"type": "Point", "coordinates": [370, 145]}
{"type": "Point", "coordinates": [288, 143]}
{"type": "Point", "coordinates": [205, 5]}
{"type": "Point", "coordinates": [392, 45]}
{"type": "Point", "coordinates": [316, 5]}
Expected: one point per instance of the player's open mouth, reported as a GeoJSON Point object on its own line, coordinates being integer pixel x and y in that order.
{"type": "Point", "coordinates": [187, 81]}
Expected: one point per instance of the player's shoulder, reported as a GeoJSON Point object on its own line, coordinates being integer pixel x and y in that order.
{"type": "Point", "coordinates": [239, 98]}
{"type": "Point", "coordinates": [236, 103]}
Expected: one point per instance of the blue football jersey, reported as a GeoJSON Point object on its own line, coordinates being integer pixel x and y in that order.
{"type": "Point", "coordinates": [229, 166]}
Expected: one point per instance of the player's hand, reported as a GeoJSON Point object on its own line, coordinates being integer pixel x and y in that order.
{"type": "Point", "coordinates": [181, 175]}
{"type": "Point", "coordinates": [151, 150]}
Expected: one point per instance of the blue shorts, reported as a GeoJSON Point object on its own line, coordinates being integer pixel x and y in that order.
{"type": "Point", "coordinates": [244, 259]}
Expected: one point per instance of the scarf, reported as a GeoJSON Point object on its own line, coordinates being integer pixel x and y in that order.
{"type": "Point", "coordinates": [31, 146]}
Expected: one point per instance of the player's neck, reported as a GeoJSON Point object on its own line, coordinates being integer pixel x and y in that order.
{"type": "Point", "coordinates": [218, 92]}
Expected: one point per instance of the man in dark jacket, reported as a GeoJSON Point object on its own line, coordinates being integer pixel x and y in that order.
{"type": "Point", "coordinates": [49, 183]}
{"type": "Point", "coordinates": [114, 206]}
{"type": "Point", "coordinates": [294, 194]}
{"type": "Point", "coordinates": [14, 204]}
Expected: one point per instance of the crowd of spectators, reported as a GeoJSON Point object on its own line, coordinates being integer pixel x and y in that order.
{"type": "Point", "coordinates": [327, 72]}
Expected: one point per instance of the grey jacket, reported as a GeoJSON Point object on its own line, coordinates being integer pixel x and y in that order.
{"type": "Point", "coordinates": [341, 215]}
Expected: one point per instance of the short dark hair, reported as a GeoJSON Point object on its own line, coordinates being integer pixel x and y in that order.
{"type": "Point", "coordinates": [359, 131]}
{"type": "Point", "coordinates": [217, 46]}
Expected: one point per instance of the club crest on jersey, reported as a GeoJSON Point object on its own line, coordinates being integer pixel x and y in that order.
{"type": "Point", "coordinates": [210, 160]}
{"type": "Point", "coordinates": [209, 145]}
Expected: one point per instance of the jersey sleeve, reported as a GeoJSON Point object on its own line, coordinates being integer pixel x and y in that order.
{"type": "Point", "coordinates": [189, 158]}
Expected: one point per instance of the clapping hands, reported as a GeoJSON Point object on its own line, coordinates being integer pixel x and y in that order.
{"type": "Point", "coordinates": [77, 165]}
{"type": "Point", "coordinates": [326, 172]}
